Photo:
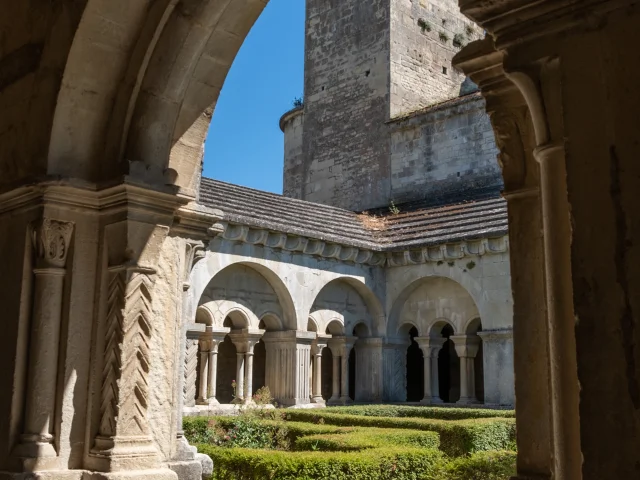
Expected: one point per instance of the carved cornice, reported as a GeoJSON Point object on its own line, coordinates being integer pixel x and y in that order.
{"type": "Point", "coordinates": [197, 222]}
{"type": "Point", "coordinates": [346, 253]}
{"type": "Point", "coordinates": [51, 240]}
{"type": "Point", "coordinates": [193, 253]}
{"type": "Point", "coordinates": [519, 21]}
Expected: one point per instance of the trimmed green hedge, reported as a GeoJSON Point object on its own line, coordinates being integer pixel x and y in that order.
{"type": "Point", "coordinates": [496, 465]}
{"type": "Point", "coordinates": [457, 437]}
{"type": "Point", "coordinates": [367, 438]}
{"type": "Point", "coordinates": [438, 413]}
{"type": "Point", "coordinates": [383, 464]}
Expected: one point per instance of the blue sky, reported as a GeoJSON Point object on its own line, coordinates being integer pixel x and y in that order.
{"type": "Point", "coordinates": [245, 144]}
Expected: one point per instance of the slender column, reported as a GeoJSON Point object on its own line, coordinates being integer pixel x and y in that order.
{"type": "Point", "coordinates": [435, 377]}
{"type": "Point", "coordinates": [344, 361]}
{"type": "Point", "coordinates": [239, 378]}
{"type": "Point", "coordinates": [317, 349]}
{"type": "Point", "coordinates": [467, 347]}
{"type": "Point", "coordinates": [204, 372]}
{"type": "Point", "coordinates": [335, 394]}
{"type": "Point", "coordinates": [430, 347]}
{"type": "Point", "coordinates": [51, 241]}
{"type": "Point", "coordinates": [248, 382]}
{"type": "Point", "coordinates": [213, 373]}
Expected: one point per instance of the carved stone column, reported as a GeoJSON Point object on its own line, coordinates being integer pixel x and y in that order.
{"type": "Point", "coordinates": [245, 341]}
{"type": "Point", "coordinates": [335, 378]}
{"type": "Point", "coordinates": [288, 362]}
{"type": "Point", "coordinates": [430, 347]}
{"type": "Point", "coordinates": [341, 347]}
{"type": "Point", "coordinates": [467, 347]}
{"type": "Point", "coordinates": [51, 240]}
{"type": "Point", "coordinates": [124, 438]}
{"type": "Point", "coordinates": [319, 344]}
{"type": "Point", "coordinates": [217, 336]}
{"type": "Point", "coordinates": [394, 368]}
{"type": "Point", "coordinates": [515, 138]}
{"type": "Point", "coordinates": [205, 347]}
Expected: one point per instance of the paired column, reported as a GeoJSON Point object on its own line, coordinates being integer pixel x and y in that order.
{"type": "Point", "coordinates": [340, 348]}
{"type": "Point", "coordinates": [317, 347]}
{"type": "Point", "coordinates": [51, 240]}
{"type": "Point", "coordinates": [467, 347]}
{"type": "Point", "coordinates": [209, 342]}
{"type": "Point", "coordinates": [245, 341]}
{"type": "Point", "coordinates": [431, 347]}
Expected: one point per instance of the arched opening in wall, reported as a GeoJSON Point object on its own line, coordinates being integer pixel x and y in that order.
{"type": "Point", "coordinates": [448, 368]}
{"type": "Point", "coordinates": [335, 329]}
{"type": "Point", "coordinates": [226, 371]}
{"type": "Point", "coordinates": [415, 368]}
{"type": "Point", "coordinates": [358, 363]}
{"type": "Point", "coordinates": [478, 362]}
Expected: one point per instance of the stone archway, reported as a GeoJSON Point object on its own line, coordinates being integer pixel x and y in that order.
{"type": "Point", "coordinates": [415, 368]}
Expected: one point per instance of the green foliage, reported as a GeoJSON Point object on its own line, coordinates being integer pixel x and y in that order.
{"type": "Point", "coordinates": [297, 102]}
{"type": "Point", "coordinates": [496, 465]}
{"type": "Point", "coordinates": [441, 413]}
{"type": "Point", "coordinates": [367, 438]}
{"type": "Point", "coordinates": [471, 265]}
{"type": "Point", "coordinates": [459, 437]}
{"type": "Point", "coordinates": [424, 25]}
{"type": "Point", "coordinates": [443, 36]}
{"type": "Point", "coordinates": [263, 396]}
{"type": "Point", "coordinates": [387, 463]}
{"type": "Point", "coordinates": [469, 31]}
{"type": "Point", "coordinates": [393, 209]}
{"type": "Point", "coordinates": [458, 40]}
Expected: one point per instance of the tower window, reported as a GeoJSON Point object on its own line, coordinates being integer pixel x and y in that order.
{"type": "Point", "coordinates": [444, 70]}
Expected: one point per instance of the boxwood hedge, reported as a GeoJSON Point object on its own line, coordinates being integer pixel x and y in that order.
{"type": "Point", "coordinates": [457, 437]}
{"type": "Point", "coordinates": [384, 464]}
{"type": "Point", "coordinates": [439, 413]}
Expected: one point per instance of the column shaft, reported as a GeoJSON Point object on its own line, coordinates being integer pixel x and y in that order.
{"type": "Point", "coordinates": [239, 376]}
{"type": "Point", "coordinates": [204, 373]}
{"type": "Point", "coordinates": [464, 385]}
{"type": "Point", "coordinates": [427, 377]}
{"type": "Point", "coordinates": [317, 379]}
{"type": "Point", "coordinates": [248, 382]}
{"type": "Point", "coordinates": [213, 375]}
{"type": "Point", "coordinates": [43, 365]}
{"type": "Point", "coordinates": [344, 389]}
{"type": "Point", "coordinates": [435, 380]}
{"type": "Point", "coordinates": [335, 394]}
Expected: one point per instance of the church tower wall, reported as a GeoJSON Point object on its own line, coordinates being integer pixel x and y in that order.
{"type": "Point", "coordinates": [346, 149]}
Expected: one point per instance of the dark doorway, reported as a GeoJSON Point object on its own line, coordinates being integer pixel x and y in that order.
{"type": "Point", "coordinates": [352, 373]}
{"type": "Point", "coordinates": [226, 371]}
{"type": "Point", "coordinates": [415, 369]}
{"type": "Point", "coordinates": [448, 369]}
{"type": "Point", "coordinates": [327, 373]}
{"type": "Point", "coordinates": [479, 374]}
{"type": "Point", "coordinates": [259, 365]}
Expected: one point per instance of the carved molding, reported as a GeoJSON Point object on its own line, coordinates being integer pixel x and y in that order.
{"type": "Point", "coordinates": [125, 389]}
{"type": "Point", "coordinates": [343, 253]}
{"type": "Point", "coordinates": [51, 240]}
{"type": "Point", "coordinates": [194, 252]}
{"type": "Point", "coordinates": [190, 372]}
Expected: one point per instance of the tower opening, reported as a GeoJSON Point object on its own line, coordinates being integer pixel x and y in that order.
{"type": "Point", "coordinates": [415, 369]}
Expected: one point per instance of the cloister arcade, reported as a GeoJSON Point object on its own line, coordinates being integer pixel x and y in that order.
{"type": "Point", "coordinates": [105, 106]}
{"type": "Point", "coordinates": [246, 332]}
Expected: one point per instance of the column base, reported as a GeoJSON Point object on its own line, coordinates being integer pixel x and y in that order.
{"type": "Point", "coordinates": [318, 399]}
{"type": "Point", "coordinates": [237, 401]}
{"type": "Point", "coordinates": [468, 401]}
{"type": "Point", "coordinates": [345, 401]}
{"type": "Point", "coordinates": [187, 470]}
{"type": "Point", "coordinates": [159, 474]}
{"type": "Point", "coordinates": [435, 401]}
{"type": "Point", "coordinates": [37, 456]}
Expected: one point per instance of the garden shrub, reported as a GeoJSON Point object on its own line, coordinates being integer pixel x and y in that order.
{"type": "Point", "coordinates": [495, 465]}
{"type": "Point", "coordinates": [383, 464]}
{"type": "Point", "coordinates": [457, 438]}
{"type": "Point", "coordinates": [439, 413]}
{"type": "Point", "coordinates": [367, 438]}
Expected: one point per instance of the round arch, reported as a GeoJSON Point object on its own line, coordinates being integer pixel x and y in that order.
{"type": "Point", "coordinates": [288, 320]}
{"type": "Point", "coordinates": [441, 291]}
{"type": "Point", "coordinates": [371, 301]}
{"type": "Point", "coordinates": [216, 312]}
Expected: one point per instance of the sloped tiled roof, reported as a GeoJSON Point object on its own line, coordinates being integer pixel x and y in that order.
{"type": "Point", "coordinates": [413, 227]}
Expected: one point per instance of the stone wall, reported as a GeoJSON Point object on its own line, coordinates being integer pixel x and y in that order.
{"type": "Point", "coordinates": [292, 124]}
{"type": "Point", "coordinates": [445, 153]}
{"type": "Point", "coordinates": [425, 35]}
{"type": "Point", "coordinates": [346, 153]}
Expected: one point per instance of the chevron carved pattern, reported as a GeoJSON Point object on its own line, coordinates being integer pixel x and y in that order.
{"type": "Point", "coordinates": [125, 388]}
{"type": "Point", "coordinates": [190, 373]}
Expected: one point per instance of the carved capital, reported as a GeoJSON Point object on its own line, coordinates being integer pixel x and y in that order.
{"type": "Point", "coordinates": [194, 252]}
{"type": "Point", "coordinates": [51, 239]}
